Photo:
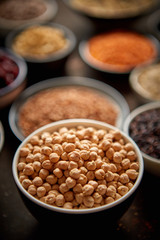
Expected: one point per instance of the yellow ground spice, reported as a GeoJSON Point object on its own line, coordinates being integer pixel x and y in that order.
{"type": "Point", "coordinates": [39, 41]}
{"type": "Point", "coordinates": [121, 50]}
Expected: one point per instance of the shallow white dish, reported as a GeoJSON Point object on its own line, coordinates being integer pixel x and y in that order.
{"type": "Point", "coordinates": [1, 136]}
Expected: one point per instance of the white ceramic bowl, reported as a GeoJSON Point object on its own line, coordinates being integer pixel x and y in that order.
{"type": "Point", "coordinates": [39, 208]}
{"type": "Point", "coordinates": [151, 164]}
{"type": "Point", "coordinates": [144, 96]}
{"type": "Point", "coordinates": [101, 88]}
{"type": "Point", "coordinates": [7, 25]}
{"type": "Point", "coordinates": [107, 68]}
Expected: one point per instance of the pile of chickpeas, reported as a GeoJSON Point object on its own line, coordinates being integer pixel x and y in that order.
{"type": "Point", "coordinates": [78, 168]}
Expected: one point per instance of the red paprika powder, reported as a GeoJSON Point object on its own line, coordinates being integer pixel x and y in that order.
{"type": "Point", "coordinates": [121, 50]}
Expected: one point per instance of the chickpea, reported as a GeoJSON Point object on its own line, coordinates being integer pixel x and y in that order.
{"type": "Point", "coordinates": [47, 186]}
{"type": "Point", "coordinates": [131, 155]}
{"type": "Point", "coordinates": [63, 165]}
{"type": "Point", "coordinates": [111, 191]}
{"type": "Point", "coordinates": [110, 153]}
{"type": "Point", "coordinates": [37, 166]}
{"type": "Point", "coordinates": [51, 179]}
{"type": "Point", "coordinates": [57, 148]}
{"type": "Point", "coordinates": [32, 189]}
{"type": "Point", "coordinates": [68, 205]}
{"type": "Point", "coordinates": [70, 182]}
{"type": "Point", "coordinates": [97, 197]}
{"type": "Point", "coordinates": [41, 191]}
{"type": "Point", "coordinates": [91, 165]}
{"type": "Point", "coordinates": [24, 152]}
{"type": "Point", "coordinates": [75, 173]}
{"type": "Point", "coordinates": [34, 140]}
{"type": "Point", "coordinates": [43, 173]}
{"type": "Point", "coordinates": [47, 164]}
{"type": "Point", "coordinates": [84, 154]}
{"type": "Point", "coordinates": [60, 200]}
{"type": "Point", "coordinates": [93, 156]}
{"type": "Point", "coordinates": [124, 178]}
{"type": "Point", "coordinates": [117, 157]}
{"type": "Point", "coordinates": [79, 197]}
{"type": "Point", "coordinates": [87, 190]}
{"type": "Point", "coordinates": [69, 147]}
{"type": "Point", "coordinates": [105, 145]}
{"type": "Point", "coordinates": [100, 174]}
{"type": "Point", "coordinates": [88, 201]}
{"type": "Point", "coordinates": [132, 174]}
{"type": "Point", "coordinates": [77, 188]}
{"type": "Point", "coordinates": [101, 189]}
{"type": "Point", "coordinates": [74, 156]}
{"type": "Point", "coordinates": [46, 150]}
{"type": "Point", "coordinates": [93, 183]}
{"type": "Point", "coordinates": [69, 196]}
{"type": "Point", "coordinates": [109, 176]}
{"type": "Point", "coordinates": [125, 163]}
{"type": "Point", "coordinates": [21, 166]}
{"type": "Point", "coordinates": [109, 200]}
{"type": "Point", "coordinates": [82, 179]}
{"type": "Point", "coordinates": [122, 190]}
{"type": "Point", "coordinates": [58, 172]}
{"type": "Point", "coordinates": [26, 183]}
{"type": "Point", "coordinates": [50, 199]}
{"type": "Point", "coordinates": [28, 170]}
{"type": "Point", "coordinates": [54, 157]}
{"type": "Point", "coordinates": [37, 181]}
{"type": "Point", "coordinates": [106, 167]}
{"type": "Point", "coordinates": [72, 165]}
{"type": "Point", "coordinates": [90, 175]}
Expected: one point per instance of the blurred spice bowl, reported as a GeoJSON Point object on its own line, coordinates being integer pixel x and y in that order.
{"type": "Point", "coordinates": [15, 13]}
{"type": "Point", "coordinates": [111, 9]}
{"type": "Point", "coordinates": [119, 51]}
{"type": "Point", "coordinates": [44, 45]}
{"type": "Point", "coordinates": [13, 71]}
{"type": "Point", "coordinates": [145, 82]}
{"type": "Point", "coordinates": [143, 126]}
{"type": "Point", "coordinates": [1, 136]}
{"type": "Point", "coordinates": [64, 98]}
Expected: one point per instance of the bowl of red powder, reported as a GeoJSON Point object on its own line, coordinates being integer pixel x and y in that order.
{"type": "Point", "coordinates": [118, 51]}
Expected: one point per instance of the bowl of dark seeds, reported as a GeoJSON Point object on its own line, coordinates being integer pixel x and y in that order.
{"type": "Point", "coordinates": [143, 126]}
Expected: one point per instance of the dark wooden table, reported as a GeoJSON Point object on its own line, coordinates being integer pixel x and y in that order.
{"type": "Point", "coordinates": [142, 219]}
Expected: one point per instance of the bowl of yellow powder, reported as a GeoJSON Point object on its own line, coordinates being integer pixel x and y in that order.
{"type": "Point", "coordinates": [41, 44]}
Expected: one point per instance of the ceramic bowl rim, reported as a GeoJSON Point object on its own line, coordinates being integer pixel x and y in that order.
{"type": "Point", "coordinates": [74, 122]}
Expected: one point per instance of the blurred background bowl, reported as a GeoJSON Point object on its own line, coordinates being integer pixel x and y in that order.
{"type": "Point", "coordinates": [9, 92]}
{"type": "Point", "coordinates": [105, 67]}
{"type": "Point", "coordinates": [51, 62]}
{"type": "Point", "coordinates": [101, 88]}
{"type": "Point", "coordinates": [1, 136]}
{"type": "Point", "coordinates": [112, 212]}
{"type": "Point", "coordinates": [153, 23]}
{"type": "Point", "coordinates": [116, 11]}
{"type": "Point", "coordinates": [151, 164]}
{"type": "Point", "coordinates": [145, 82]}
{"type": "Point", "coordinates": [32, 11]}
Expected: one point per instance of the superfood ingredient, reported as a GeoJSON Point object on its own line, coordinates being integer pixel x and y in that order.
{"type": "Point", "coordinates": [81, 181]}
{"type": "Point", "coordinates": [112, 8]}
{"type": "Point", "coordinates": [8, 70]}
{"type": "Point", "coordinates": [63, 103]}
{"type": "Point", "coordinates": [149, 80]}
{"type": "Point", "coordinates": [145, 131]}
{"type": "Point", "coordinates": [39, 41]}
{"type": "Point", "coordinates": [21, 9]}
{"type": "Point", "coordinates": [120, 50]}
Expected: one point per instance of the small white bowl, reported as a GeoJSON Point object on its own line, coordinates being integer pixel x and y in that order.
{"type": "Point", "coordinates": [143, 95]}
{"type": "Point", "coordinates": [112, 69]}
{"type": "Point", "coordinates": [7, 25]}
{"type": "Point", "coordinates": [39, 208]}
{"type": "Point", "coordinates": [152, 165]}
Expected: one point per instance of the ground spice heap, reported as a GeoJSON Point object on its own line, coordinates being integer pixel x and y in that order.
{"type": "Point", "coordinates": [39, 41]}
{"type": "Point", "coordinates": [77, 168]}
{"type": "Point", "coordinates": [21, 9]}
{"type": "Point", "coordinates": [63, 103]}
{"type": "Point", "coordinates": [121, 50]}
